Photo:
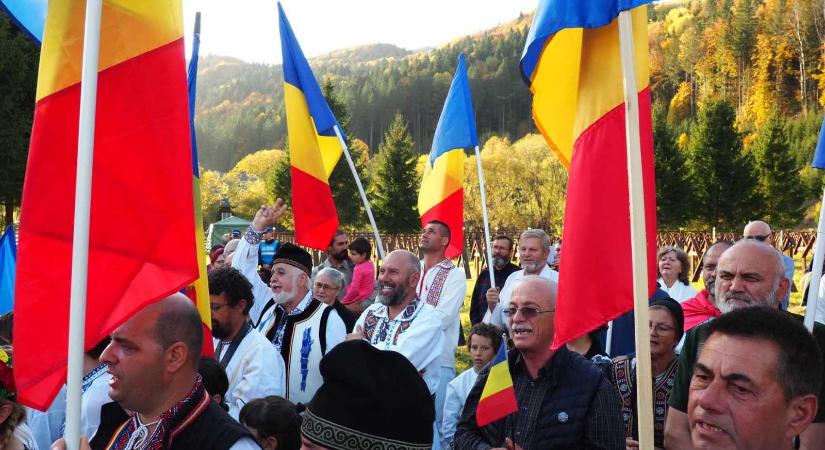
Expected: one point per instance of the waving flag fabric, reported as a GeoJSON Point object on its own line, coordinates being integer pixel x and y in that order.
{"type": "Point", "coordinates": [8, 261]}
{"type": "Point", "coordinates": [199, 290]}
{"type": "Point", "coordinates": [142, 172]}
{"type": "Point", "coordinates": [573, 67]}
{"type": "Point", "coordinates": [498, 398]}
{"type": "Point", "coordinates": [29, 15]}
{"type": "Point", "coordinates": [442, 191]}
{"type": "Point", "coordinates": [819, 154]}
{"type": "Point", "coordinates": [313, 146]}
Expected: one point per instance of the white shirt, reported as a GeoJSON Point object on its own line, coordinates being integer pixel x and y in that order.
{"type": "Point", "coordinates": [679, 291]}
{"type": "Point", "coordinates": [245, 443]}
{"type": "Point", "coordinates": [93, 398]}
{"type": "Point", "coordinates": [497, 317]}
{"type": "Point", "coordinates": [457, 392]}
{"type": "Point", "coordinates": [256, 370]}
{"type": "Point", "coordinates": [420, 343]}
{"type": "Point", "coordinates": [448, 307]}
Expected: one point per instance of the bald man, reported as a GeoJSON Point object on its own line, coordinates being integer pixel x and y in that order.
{"type": "Point", "coordinates": [760, 231]}
{"type": "Point", "coordinates": [153, 359]}
{"type": "Point", "coordinates": [751, 273]}
{"type": "Point", "coordinates": [564, 400]}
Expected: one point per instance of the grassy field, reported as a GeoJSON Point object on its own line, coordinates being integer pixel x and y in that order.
{"type": "Point", "coordinates": [462, 357]}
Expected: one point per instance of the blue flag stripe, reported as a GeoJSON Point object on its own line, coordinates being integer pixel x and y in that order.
{"type": "Point", "coordinates": [457, 125]}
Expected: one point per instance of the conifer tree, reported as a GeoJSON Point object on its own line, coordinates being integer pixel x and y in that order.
{"type": "Point", "coordinates": [395, 181]}
{"type": "Point", "coordinates": [723, 176]}
{"type": "Point", "coordinates": [779, 181]}
{"type": "Point", "coordinates": [674, 193]}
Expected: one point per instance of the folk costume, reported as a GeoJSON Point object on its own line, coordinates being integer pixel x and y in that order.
{"type": "Point", "coordinates": [303, 335]}
{"type": "Point", "coordinates": [195, 422]}
{"type": "Point", "coordinates": [624, 374]}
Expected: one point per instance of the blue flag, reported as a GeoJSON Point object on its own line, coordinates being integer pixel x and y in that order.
{"type": "Point", "coordinates": [457, 125]}
{"type": "Point", "coordinates": [819, 154]}
{"type": "Point", "coordinates": [8, 259]}
{"type": "Point", "coordinates": [192, 84]}
{"type": "Point", "coordinates": [29, 15]}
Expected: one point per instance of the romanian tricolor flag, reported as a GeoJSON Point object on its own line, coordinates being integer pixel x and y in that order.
{"type": "Point", "coordinates": [573, 66]}
{"type": "Point", "coordinates": [498, 399]}
{"type": "Point", "coordinates": [314, 148]}
{"type": "Point", "coordinates": [441, 196]}
{"type": "Point", "coordinates": [140, 239]}
{"type": "Point", "coordinates": [199, 290]}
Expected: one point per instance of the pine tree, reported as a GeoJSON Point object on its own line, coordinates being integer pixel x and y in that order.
{"type": "Point", "coordinates": [723, 176]}
{"type": "Point", "coordinates": [18, 77]}
{"type": "Point", "coordinates": [778, 175]}
{"type": "Point", "coordinates": [395, 181]}
{"type": "Point", "coordinates": [674, 193]}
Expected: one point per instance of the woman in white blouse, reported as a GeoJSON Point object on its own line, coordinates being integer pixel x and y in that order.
{"type": "Point", "coordinates": [673, 273]}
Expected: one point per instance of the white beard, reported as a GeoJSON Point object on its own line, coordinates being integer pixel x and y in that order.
{"type": "Point", "coordinates": [282, 297]}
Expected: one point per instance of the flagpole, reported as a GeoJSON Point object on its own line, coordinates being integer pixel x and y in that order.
{"type": "Point", "coordinates": [484, 217]}
{"type": "Point", "coordinates": [352, 168]}
{"type": "Point", "coordinates": [80, 239]}
{"type": "Point", "coordinates": [816, 271]}
{"type": "Point", "coordinates": [644, 376]}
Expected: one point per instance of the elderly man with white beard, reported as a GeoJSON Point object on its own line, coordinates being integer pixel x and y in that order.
{"type": "Point", "coordinates": [751, 273]}
{"type": "Point", "coordinates": [302, 328]}
{"type": "Point", "coordinates": [400, 321]}
{"type": "Point", "coordinates": [533, 249]}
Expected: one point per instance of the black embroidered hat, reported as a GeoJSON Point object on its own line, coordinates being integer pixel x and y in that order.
{"type": "Point", "coordinates": [370, 399]}
{"type": "Point", "coordinates": [294, 256]}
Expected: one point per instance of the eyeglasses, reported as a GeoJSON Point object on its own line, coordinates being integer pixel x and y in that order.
{"type": "Point", "coordinates": [758, 237]}
{"type": "Point", "coordinates": [326, 287]}
{"type": "Point", "coordinates": [528, 312]}
{"type": "Point", "coordinates": [661, 328]}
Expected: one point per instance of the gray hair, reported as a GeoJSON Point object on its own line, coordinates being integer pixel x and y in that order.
{"type": "Point", "coordinates": [536, 233]}
{"type": "Point", "coordinates": [336, 276]}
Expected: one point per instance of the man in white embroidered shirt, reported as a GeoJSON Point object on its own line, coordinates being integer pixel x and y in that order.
{"type": "Point", "coordinates": [400, 321]}
{"type": "Point", "coordinates": [253, 367]}
{"type": "Point", "coordinates": [443, 286]}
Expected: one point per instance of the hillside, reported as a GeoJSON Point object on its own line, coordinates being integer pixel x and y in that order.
{"type": "Point", "coordinates": [240, 105]}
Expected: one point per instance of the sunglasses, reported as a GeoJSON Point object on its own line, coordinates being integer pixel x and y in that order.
{"type": "Point", "coordinates": [528, 312]}
{"type": "Point", "coordinates": [758, 237]}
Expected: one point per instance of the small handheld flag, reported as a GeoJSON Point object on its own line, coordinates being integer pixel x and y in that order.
{"type": "Point", "coordinates": [498, 399]}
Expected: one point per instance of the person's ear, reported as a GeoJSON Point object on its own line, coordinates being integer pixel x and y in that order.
{"type": "Point", "coordinates": [270, 443]}
{"type": "Point", "coordinates": [177, 356]}
{"type": "Point", "coordinates": [800, 413]}
{"type": "Point", "coordinates": [241, 306]}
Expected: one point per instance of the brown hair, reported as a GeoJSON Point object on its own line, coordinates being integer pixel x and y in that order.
{"type": "Point", "coordinates": [681, 256]}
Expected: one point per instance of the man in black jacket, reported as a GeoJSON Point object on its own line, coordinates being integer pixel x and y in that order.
{"type": "Point", "coordinates": [564, 401]}
{"type": "Point", "coordinates": [502, 268]}
{"type": "Point", "coordinates": [153, 359]}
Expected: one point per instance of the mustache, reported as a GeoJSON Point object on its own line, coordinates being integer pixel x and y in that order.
{"type": "Point", "coordinates": [522, 327]}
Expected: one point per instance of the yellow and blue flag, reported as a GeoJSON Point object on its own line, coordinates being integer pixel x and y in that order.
{"type": "Point", "coordinates": [498, 398]}
{"type": "Point", "coordinates": [573, 67]}
{"type": "Point", "coordinates": [313, 145]}
{"type": "Point", "coordinates": [441, 196]}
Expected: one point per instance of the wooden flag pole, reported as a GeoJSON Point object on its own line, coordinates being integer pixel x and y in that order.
{"type": "Point", "coordinates": [816, 272]}
{"type": "Point", "coordinates": [638, 240]}
{"type": "Point", "coordinates": [80, 237]}
{"type": "Point", "coordinates": [378, 244]}
{"type": "Point", "coordinates": [484, 216]}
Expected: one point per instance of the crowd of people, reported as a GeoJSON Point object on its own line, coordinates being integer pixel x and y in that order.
{"type": "Point", "coordinates": [334, 357]}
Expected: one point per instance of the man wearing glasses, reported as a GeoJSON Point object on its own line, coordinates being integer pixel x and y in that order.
{"type": "Point", "coordinates": [564, 400]}
{"type": "Point", "coordinates": [761, 231]}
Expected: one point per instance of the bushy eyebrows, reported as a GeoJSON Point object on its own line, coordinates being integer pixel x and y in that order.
{"type": "Point", "coordinates": [734, 377]}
